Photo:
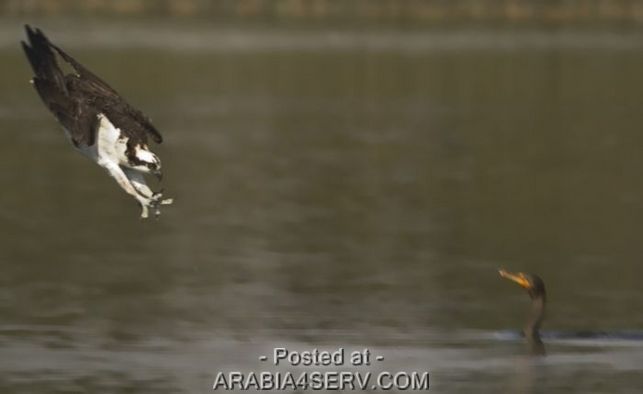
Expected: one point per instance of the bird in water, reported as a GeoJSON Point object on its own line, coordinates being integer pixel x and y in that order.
{"type": "Point", "coordinates": [97, 120]}
{"type": "Point", "coordinates": [536, 289]}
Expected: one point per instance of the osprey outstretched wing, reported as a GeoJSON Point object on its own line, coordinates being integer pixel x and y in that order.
{"type": "Point", "coordinates": [97, 120]}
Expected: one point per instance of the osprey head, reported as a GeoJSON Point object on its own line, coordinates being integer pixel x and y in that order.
{"type": "Point", "coordinates": [146, 162]}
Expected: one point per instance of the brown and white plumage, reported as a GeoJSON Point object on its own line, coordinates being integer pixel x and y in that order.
{"type": "Point", "coordinates": [97, 120]}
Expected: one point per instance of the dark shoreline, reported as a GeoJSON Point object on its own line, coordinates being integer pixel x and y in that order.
{"type": "Point", "coordinates": [421, 12]}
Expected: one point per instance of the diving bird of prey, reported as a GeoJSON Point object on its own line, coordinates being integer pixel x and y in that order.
{"type": "Point", "coordinates": [97, 120]}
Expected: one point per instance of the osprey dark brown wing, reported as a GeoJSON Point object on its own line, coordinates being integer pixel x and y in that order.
{"type": "Point", "coordinates": [79, 119]}
{"type": "Point", "coordinates": [69, 108]}
{"type": "Point", "coordinates": [42, 59]}
{"type": "Point", "coordinates": [82, 95]}
{"type": "Point", "coordinates": [122, 114]}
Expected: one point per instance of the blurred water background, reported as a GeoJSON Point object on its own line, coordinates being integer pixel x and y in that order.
{"type": "Point", "coordinates": [351, 181]}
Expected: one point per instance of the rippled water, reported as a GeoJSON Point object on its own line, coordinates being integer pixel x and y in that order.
{"type": "Point", "coordinates": [332, 188]}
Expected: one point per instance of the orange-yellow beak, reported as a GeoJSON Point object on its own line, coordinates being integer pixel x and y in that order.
{"type": "Point", "coordinates": [519, 278]}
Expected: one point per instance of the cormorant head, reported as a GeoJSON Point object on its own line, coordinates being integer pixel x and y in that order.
{"type": "Point", "coordinates": [532, 283]}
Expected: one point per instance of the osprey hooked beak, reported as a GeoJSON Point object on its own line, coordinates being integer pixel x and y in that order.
{"type": "Point", "coordinates": [158, 174]}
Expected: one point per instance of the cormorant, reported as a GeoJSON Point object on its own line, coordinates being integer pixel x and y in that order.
{"type": "Point", "coordinates": [536, 289]}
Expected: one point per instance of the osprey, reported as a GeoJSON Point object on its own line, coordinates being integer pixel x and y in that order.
{"type": "Point", "coordinates": [97, 120]}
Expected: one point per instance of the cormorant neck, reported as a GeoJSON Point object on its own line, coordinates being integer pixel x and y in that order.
{"type": "Point", "coordinates": [536, 316]}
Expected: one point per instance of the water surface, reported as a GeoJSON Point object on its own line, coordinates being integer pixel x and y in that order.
{"type": "Point", "coordinates": [332, 188]}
